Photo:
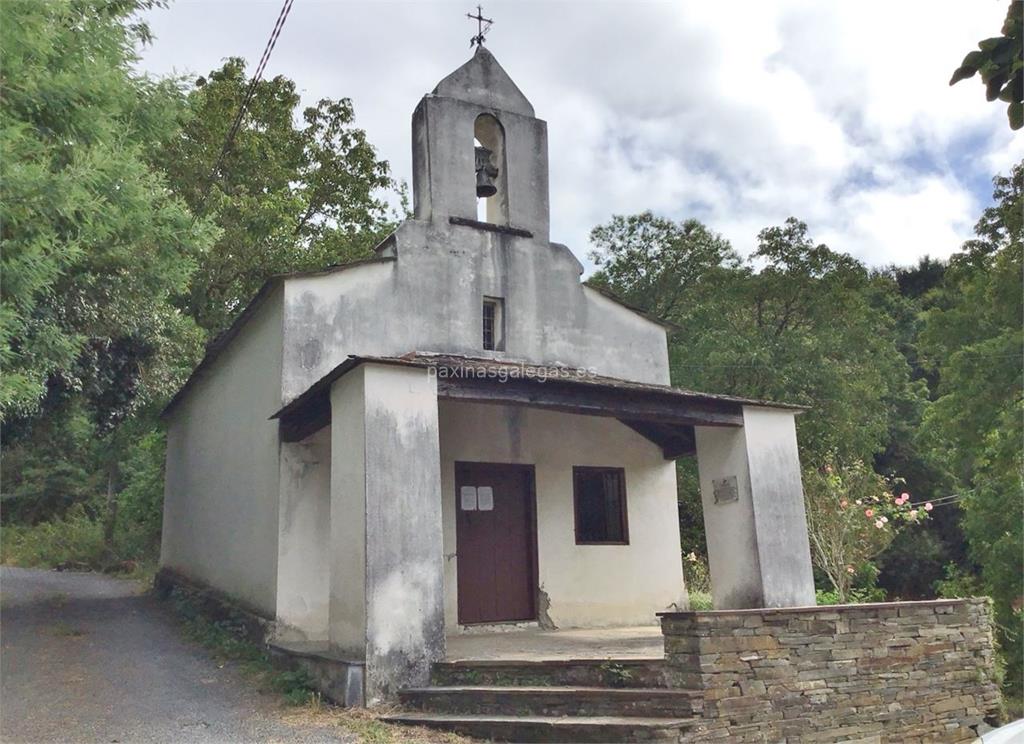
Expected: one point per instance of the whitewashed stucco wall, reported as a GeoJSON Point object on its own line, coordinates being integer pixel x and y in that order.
{"type": "Point", "coordinates": [430, 300]}
{"type": "Point", "coordinates": [221, 487]}
{"type": "Point", "coordinates": [588, 585]}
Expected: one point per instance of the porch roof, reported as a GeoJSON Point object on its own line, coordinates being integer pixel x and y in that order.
{"type": "Point", "coordinates": [663, 414]}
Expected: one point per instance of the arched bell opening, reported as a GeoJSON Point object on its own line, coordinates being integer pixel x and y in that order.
{"type": "Point", "coordinates": [491, 170]}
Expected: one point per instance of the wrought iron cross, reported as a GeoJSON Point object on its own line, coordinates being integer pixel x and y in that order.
{"type": "Point", "coordinates": [481, 29]}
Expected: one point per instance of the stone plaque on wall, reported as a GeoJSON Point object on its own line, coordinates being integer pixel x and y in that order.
{"type": "Point", "coordinates": [725, 490]}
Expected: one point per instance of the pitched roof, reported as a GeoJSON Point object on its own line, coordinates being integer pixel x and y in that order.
{"type": "Point", "coordinates": [474, 367]}
{"type": "Point", "coordinates": [482, 80]}
{"type": "Point", "coordinates": [224, 338]}
{"type": "Point", "coordinates": [609, 295]}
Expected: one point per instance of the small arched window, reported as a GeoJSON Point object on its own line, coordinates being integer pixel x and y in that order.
{"type": "Point", "coordinates": [491, 172]}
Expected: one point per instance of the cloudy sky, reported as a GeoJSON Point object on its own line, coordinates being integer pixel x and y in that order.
{"type": "Point", "coordinates": [737, 113]}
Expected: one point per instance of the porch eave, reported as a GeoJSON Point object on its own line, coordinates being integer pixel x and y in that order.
{"type": "Point", "coordinates": [663, 414]}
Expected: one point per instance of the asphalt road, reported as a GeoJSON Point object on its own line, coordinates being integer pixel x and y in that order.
{"type": "Point", "coordinates": [89, 658]}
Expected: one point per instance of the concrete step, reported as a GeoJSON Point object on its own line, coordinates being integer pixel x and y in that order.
{"type": "Point", "coordinates": [618, 673]}
{"type": "Point", "coordinates": [651, 702]}
{"type": "Point", "coordinates": [548, 728]}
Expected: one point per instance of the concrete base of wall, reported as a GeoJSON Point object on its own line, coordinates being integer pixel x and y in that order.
{"type": "Point", "coordinates": [214, 604]}
{"type": "Point", "coordinates": [890, 672]}
{"type": "Point", "coordinates": [338, 679]}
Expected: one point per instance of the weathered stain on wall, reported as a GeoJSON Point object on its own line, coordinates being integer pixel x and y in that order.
{"type": "Point", "coordinates": [404, 565]}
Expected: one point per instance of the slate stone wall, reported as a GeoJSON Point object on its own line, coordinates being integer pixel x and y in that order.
{"type": "Point", "coordinates": [894, 672]}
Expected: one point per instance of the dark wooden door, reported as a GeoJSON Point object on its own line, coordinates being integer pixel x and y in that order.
{"type": "Point", "coordinates": [495, 538]}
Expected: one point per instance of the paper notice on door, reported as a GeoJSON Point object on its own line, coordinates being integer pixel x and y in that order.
{"type": "Point", "coordinates": [467, 498]}
{"type": "Point", "coordinates": [484, 498]}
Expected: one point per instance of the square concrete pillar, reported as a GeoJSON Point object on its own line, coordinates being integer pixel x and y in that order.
{"type": "Point", "coordinates": [754, 517]}
{"type": "Point", "coordinates": [387, 584]}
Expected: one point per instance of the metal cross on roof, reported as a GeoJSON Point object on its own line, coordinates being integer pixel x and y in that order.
{"type": "Point", "coordinates": [481, 29]}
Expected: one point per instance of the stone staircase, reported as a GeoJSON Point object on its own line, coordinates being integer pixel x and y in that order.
{"type": "Point", "coordinates": [579, 700]}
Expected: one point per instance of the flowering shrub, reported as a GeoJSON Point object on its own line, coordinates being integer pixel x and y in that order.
{"type": "Point", "coordinates": [852, 516]}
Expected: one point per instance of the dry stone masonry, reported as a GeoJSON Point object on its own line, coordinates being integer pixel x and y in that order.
{"type": "Point", "coordinates": [894, 672]}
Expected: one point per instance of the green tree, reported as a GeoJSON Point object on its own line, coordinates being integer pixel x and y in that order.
{"type": "Point", "coordinates": [998, 60]}
{"type": "Point", "coordinates": [47, 465]}
{"type": "Point", "coordinates": [974, 339]}
{"type": "Point", "coordinates": [657, 264]}
{"type": "Point", "coordinates": [918, 558]}
{"type": "Point", "coordinates": [796, 322]}
{"type": "Point", "coordinates": [806, 327]}
{"type": "Point", "coordinates": [287, 197]}
{"type": "Point", "coordinates": [93, 241]}
{"type": "Point", "coordinates": [916, 281]}
{"type": "Point", "coordinates": [106, 270]}
{"type": "Point", "coordinates": [95, 246]}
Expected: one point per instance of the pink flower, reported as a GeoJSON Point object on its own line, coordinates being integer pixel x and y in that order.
{"type": "Point", "coordinates": [901, 500]}
{"type": "Point", "coordinates": [869, 512]}
{"type": "Point", "coordinates": [905, 496]}
{"type": "Point", "coordinates": [879, 524]}
{"type": "Point", "coordinates": [844, 503]}
{"type": "Point", "coordinates": [928, 506]}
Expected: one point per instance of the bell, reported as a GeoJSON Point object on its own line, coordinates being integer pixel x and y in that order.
{"type": "Point", "coordinates": [485, 173]}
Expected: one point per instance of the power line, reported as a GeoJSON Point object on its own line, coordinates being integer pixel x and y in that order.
{"type": "Point", "coordinates": [246, 100]}
{"type": "Point", "coordinates": [940, 501]}
{"type": "Point", "coordinates": [765, 365]}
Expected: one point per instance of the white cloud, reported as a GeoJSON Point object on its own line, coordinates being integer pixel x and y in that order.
{"type": "Point", "coordinates": [740, 115]}
{"type": "Point", "coordinates": [897, 223]}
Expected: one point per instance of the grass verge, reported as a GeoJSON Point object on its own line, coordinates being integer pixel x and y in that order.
{"type": "Point", "coordinates": [304, 706]}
